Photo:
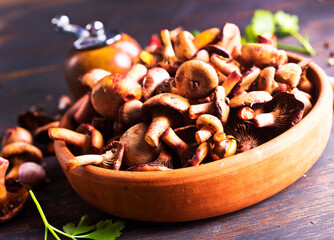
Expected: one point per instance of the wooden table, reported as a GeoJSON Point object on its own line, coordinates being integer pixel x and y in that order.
{"type": "Point", "coordinates": [31, 74]}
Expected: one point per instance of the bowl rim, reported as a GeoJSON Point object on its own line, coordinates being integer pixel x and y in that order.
{"type": "Point", "coordinates": [227, 165]}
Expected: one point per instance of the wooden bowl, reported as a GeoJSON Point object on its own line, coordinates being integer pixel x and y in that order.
{"type": "Point", "coordinates": [214, 188]}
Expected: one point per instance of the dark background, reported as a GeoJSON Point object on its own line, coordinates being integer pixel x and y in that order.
{"type": "Point", "coordinates": [31, 74]}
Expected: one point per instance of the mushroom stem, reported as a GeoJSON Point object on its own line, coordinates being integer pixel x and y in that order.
{"type": "Point", "coordinates": [157, 127]}
{"type": "Point", "coordinates": [182, 149]}
{"type": "Point", "coordinates": [82, 160]}
{"type": "Point", "coordinates": [201, 152]}
{"type": "Point", "coordinates": [264, 119]}
{"type": "Point", "coordinates": [232, 79]}
{"type": "Point", "coordinates": [70, 137]}
{"type": "Point", "coordinates": [168, 51]}
{"type": "Point", "coordinates": [13, 174]}
{"type": "Point", "coordinates": [198, 109]}
{"type": "Point", "coordinates": [11, 201]}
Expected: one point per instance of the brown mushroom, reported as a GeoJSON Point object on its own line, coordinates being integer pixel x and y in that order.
{"type": "Point", "coordinates": [262, 55]}
{"type": "Point", "coordinates": [130, 113]}
{"type": "Point", "coordinates": [196, 79]}
{"type": "Point", "coordinates": [167, 86]}
{"type": "Point", "coordinates": [202, 55]}
{"type": "Point", "coordinates": [113, 90]}
{"type": "Point", "coordinates": [280, 113]}
{"type": "Point", "coordinates": [224, 65]}
{"type": "Point", "coordinates": [165, 110]}
{"type": "Point", "coordinates": [266, 81]}
{"type": "Point", "coordinates": [17, 134]}
{"type": "Point", "coordinates": [224, 148]}
{"type": "Point", "coordinates": [86, 137]}
{"type": "Point", "coordinates": [109, 157]}
{"type": "Point", "coordinates": [202, 151]}
{"type": "Point", "coordinates": [248, 77]}
{"type": "Point", "coordinates": [18, 153]}
{"type": "Point", "coordinates": [246, 135]}
{"type": "Point", "coordinates": [91, 77]}
{"type": "Point", "coordinates": [168, 53]}
{"type": "Point", "coordinates": [289, 74]}
{"type": "Point", "coordinates": [217, 106]}
{"type": "Point", "coordinates": [231, 81]}
{"type": "Point", "coordinates": [164, 162]}
{"type": "Point", "coordinates": [207, 126]}
{"type": "Point", "coordinates": [249, 98]}
{"type": "Point", "coordinates": [206, 37]}
{"type": "Point", "coordinates": [86, 112]}
{"type": "Point", "coordinates": [153, 78]}
{"type": "Point", "coordinates": [136, 150]}
{"type": "Point", "coordinates": [183, 149]}
{"type": "Point", "coordinates": [231, 38]}
{"type": "Point", "coordinates": [12, 200]}
{"type": "Point", "coordinates": [184, 46]}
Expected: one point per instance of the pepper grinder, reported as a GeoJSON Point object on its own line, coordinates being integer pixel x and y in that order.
{"type": "Point", "coordinates": [113, 51]}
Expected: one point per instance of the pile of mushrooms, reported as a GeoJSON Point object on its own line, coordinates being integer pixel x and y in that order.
{"type": "Point", "coordinates": [188, 100]}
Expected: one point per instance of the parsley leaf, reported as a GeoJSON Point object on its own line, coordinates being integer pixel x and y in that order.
{"type": "Point", "coordinates": [106, 230]}
{"type": "Point", "coordinates": [103, 230]}
{"type": "Point", "coordinates": [267, 24]}
{"type": "Point", "coordinates": [83, 227]}
{"type": "Point", "coordinates": [262, 23]}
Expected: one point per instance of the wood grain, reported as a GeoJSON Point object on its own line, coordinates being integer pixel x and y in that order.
{"type": "Point", "coordinates": [27, 41]}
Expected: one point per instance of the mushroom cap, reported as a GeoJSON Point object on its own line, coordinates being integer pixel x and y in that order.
{"type": "Point", "coordinates": [24, 151]}
{"type": "Point", "coordinates": [112, 91]}
{"type": "Point", "coordinates": [12, 202]}
{"type": "Point", "coordinates": [196, 79]}
{"type": "Point", "coordinates": [167, 103]}
{"type": "Point", "coordinates": [97, 141]}
{"type": "Point", "coordinates": [216, 49]}
{"type": "Point", "coordinates": [17, 134]}
{"type": "Point", "coordinates": [249, 98]}
{"type": "Point", "coordinates": [136, 150]}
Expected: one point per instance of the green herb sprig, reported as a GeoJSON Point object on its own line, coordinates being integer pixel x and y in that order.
{"type": "Point", "coordinates": [103, 230]}
{"type": "Point", "coordinates": [281, 24]}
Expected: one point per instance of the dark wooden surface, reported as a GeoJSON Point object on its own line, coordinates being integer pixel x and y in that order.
{"type": "Point", "coordinates": [31, 74]}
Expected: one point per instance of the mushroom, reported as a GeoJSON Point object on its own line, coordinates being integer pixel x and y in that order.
{"type": "Point", "coordinates": [207, 126]}
{"type": "Point", "coordinates": [183, 149]}
{"type": "Point", "coordinates": [167, 86]}
{"type": "Point", "coordinates": [223, 149]}
{"type": "Point", "coordinates": [214, 49]}
{"type": "Point", "coordinates": [165, 110]}
{"type": "Point", "coordinates": [169, 57]}
{"type": "Point", "coordinates": [16, 134]}
{"type": "Point", "coordinates": [113, 90]}
{"type": "Point", "coordinates": [202, 55]}
{"type": "Point", "coordinates": [262, 55]}
{"type": "Point", "coordinates": [136, 150]}
{"type": "Point", "coordinates": [266, 81]}
{"type": "Point", "coordinates": [110, 157]}
{"type": "Point", "coordinates": [87, 137]}
{"type": "Point", "coordinates": [130, 113]}
{"type": "Point", "coordinates": [86, 112]}
{"type": "Point", "coordinates": [249, 98]}
{"type": "Point", "coordinates": [202, 151]}
{"type": "Point", "coordinates": [206, 37]}
{"type": "Point", "coordinates": [153, 78]}
{"type": "Point", "coordinates": [184, 46]}
{"type": "Point", "coordinates": [231, 38]}
{"type": "Point", "coordinates": [196, 79]}
{"type": "Point", "coordinates": [12, 200]}
{"type": "Point", "coordinates": [289, 74]}
{"type": "Point", "coordinates": [224, 65]}
{"type": "Point", "coordinates": [91, 77]}
{"type": "Point", "coordinates": [280, 113]}
{"type": "Point", "coordinates": [217, 106]}
{"type": "Point", "coordinates": [164, 162]}
{"type": "Point", "coordinates": [249, 77]}
{"type": "Point", "coordinates": [231, 81]}
{"type": "Point", "coordinates": [18, 153]}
